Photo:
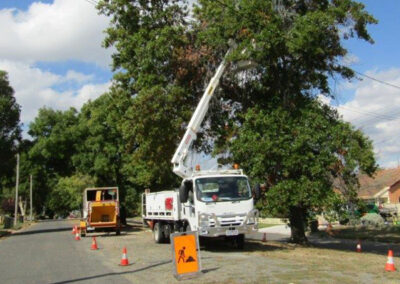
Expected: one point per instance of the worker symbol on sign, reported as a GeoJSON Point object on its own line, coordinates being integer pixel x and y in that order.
{"type": "Point", "coordinates": [181, 254]}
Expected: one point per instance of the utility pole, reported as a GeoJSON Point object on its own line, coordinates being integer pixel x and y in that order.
{"type": "Point", "coordinates": [30, 215]}
{"type": "Point", "coordinates": [16, 193]}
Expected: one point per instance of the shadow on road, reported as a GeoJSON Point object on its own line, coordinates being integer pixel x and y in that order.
{"type": "Point", "coordinates": [31, 232]}
{"type": "Point", "coordinates": [113, 273]}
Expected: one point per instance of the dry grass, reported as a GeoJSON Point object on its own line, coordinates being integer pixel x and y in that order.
{"type": "Point", "coordinates": [387, 234]}
{"type": "Point", "coordinates": [316, 265]}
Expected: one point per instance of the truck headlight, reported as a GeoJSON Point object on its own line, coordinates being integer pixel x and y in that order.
{"type": "Point", "coordinates": [204, 221]}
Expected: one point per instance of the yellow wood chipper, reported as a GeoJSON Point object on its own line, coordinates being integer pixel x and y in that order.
{"type": "Point", "coordinates": [100, 210]}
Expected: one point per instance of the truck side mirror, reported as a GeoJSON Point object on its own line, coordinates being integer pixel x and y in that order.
{"type": "Point", "coordinates": [184, 189]}
{"type": "Point", "coordinates": [257, 191]}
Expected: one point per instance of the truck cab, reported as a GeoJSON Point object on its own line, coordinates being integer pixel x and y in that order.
{"type": "Point", "coordinates": [215, 204]}
{"type": "Point", "coordinates": [219, 204]}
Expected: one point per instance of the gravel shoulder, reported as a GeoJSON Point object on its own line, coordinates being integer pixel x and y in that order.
{"type": "Point", "coordinates": [259, 262]}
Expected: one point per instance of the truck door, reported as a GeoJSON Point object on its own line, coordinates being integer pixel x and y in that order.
{"type": "Point", "coordinates": [189, 210]}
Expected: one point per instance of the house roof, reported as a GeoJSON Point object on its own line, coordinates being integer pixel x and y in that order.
{"type": "Point", "coordinates": [383, 178]}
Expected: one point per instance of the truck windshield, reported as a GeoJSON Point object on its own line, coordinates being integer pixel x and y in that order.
{"type": "Point", "coordinates": [217, 189]}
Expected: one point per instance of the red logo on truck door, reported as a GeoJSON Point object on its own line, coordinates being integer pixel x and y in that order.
{"type": "Point", "coordinates": [169, 203]}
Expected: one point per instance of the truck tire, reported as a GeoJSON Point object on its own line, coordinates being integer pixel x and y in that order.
{"type": "Point", "coordinates": [238, 241]}
{"type": "Point", "coordinates": [158, 233]}
{"type": "Point", "coordinates": [118, 229]}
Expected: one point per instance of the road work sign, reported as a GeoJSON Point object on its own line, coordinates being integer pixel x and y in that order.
{"type": "Point", "coordinates": [186, 254]}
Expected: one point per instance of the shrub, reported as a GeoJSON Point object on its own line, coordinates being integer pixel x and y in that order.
{"type": "Point", "coordinates": [372, 219]}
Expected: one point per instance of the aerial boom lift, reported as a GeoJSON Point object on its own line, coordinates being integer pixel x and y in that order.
{"type": "Point", "coordinates": [179, 158]}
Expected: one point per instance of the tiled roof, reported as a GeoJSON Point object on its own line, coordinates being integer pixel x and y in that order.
{"type": "Point", "coordinates": [382, 178]}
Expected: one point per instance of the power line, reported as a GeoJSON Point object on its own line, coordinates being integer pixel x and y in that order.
{"type": "Point", "coordinates": [377, 80]}
{"type": "Point", "coordinates": [368, 113]}
{"type": "Point", "coordinates": [386, 140]}
{"type": "Point", "coordinates": [93, 2]}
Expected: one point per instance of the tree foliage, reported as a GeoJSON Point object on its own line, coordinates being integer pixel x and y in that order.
{"type": "Point", "coordinates": [153, 56]}
{"type": "Point", "coordinates": [68, 192]}
{"type": "Point", "coordinates": [302, 155]}
{"type": "Point", "coordinates": [9, 130]}
{"type": "Point", "coordinates": [102, 153]}
{"type": "Point", "coordinates": [49, 158]}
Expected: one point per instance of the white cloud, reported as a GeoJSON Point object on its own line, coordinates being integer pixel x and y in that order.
{"type": "Point", "coordinates": [350, 59]}
{"type": "Point", "coordinates": [374, 109]}
{"type": "Point", "coordinates": [35, 88]}
{"type": "Point", "coordinates": [63, 30]}
{"type": "Point", "coordinates": [78, 77]}
{"type": "Point", "coordinates": [324, 99]}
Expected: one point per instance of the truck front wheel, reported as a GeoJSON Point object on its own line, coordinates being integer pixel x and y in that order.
{"type": "Point", "coordinates": [157, 233]}
{"type": "Point", "coordinates": [238, 241]}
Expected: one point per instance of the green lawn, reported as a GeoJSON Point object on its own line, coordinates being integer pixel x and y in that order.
{"type": "Point", "coordinates": [261, 225]}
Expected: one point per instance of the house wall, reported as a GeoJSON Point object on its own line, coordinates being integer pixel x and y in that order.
{"type": "Point", "coordinates": [394, 193]}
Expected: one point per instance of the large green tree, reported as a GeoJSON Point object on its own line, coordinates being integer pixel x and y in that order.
{"type": "Point", "coordinates": [54, 141]}
{"type": "Point", "coordinates": [164, 61]}
{"type": "Point", "coordinates": [302, 154]}
{"type": "Point", "coordinates": [294, 50]}
{"type": "Point", "coordinates": [9, 130]}
{"type": "Point", "coordinates": [102, 153]}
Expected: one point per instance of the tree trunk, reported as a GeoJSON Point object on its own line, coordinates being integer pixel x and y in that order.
{"type": "Point", "coordinates": [297, 220]}
{"type": "Point", "coordinates": [122, 194]}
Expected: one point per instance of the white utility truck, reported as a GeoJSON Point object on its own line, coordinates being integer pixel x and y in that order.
{"type": "Point", "coordinates": [215, 203]}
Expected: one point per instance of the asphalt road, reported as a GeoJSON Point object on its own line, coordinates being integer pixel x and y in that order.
{"type": "Point", "coordinates": [47, 253]}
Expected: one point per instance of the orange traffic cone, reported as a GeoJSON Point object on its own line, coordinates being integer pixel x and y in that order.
{"type": "Point", "coordinates": [124, 259]}
{"type": "Point", "coordinates": [94, 244]}
{"type": "Point", "coordinates": [74, 229]}
{"type": "Point", "coordinates": [77, 236]}
{"type": "Point", "coordinates": [390, 263]}
{"type": "Point", "coordinates": [264, 239]}
{"type": "Point", "coordinates": [359, 246]}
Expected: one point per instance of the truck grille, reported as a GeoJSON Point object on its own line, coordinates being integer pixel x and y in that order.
{"type": "Point", "coordinates": [228, 221]}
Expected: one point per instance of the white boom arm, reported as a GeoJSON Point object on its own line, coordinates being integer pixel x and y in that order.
{"type": "Point", "coordinates": [180, 155]}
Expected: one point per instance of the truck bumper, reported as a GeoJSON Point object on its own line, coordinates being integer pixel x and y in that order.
{"type": "Point", "coordinates": [224, 226]}
{"type": "Point", "coordinates": [227, 231]}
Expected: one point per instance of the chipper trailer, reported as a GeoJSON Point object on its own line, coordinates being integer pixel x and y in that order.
{"type": "Point", "coordinates": [100, 210]}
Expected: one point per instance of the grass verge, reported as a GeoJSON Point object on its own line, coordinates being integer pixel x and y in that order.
{"type": "Point", "coordinates": [298, 264]}
{"type": "Point", "coordinates": [261, 225]}
{"type": "Point", "coordinates": [387, 234]}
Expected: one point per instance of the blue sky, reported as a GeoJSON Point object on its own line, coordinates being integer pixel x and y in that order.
{"type": "Point", "coordinates": [52, 52]}
{"type": "Point", "coordinates": [382, 54]}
